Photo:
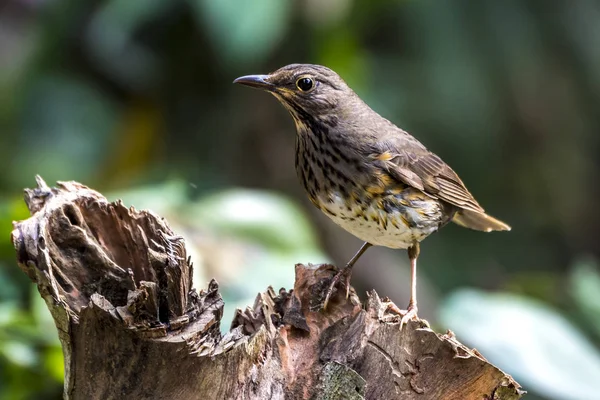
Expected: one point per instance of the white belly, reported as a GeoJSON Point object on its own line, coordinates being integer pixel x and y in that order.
{"type": "Point", "coordinates": [380, 227]}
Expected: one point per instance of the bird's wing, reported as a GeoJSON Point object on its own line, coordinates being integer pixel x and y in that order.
{"type": "Point", "coordinates": [423, 170]}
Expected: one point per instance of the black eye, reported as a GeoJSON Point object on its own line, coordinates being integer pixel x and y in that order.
{"type": "Point", "coordinates": [305, 84]}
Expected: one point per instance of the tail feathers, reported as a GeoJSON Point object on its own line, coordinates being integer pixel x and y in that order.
{"type": "Point", "coordinates": [479, 221]}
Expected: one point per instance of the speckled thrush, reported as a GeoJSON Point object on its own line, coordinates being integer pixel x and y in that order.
{"type": "Point", "coordinates": [370, 177]}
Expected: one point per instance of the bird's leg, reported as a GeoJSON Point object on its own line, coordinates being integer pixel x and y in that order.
{"type": "Point", "coordinates": [345, 272]}
{"type": "Point", "coordinates": [411, 311]}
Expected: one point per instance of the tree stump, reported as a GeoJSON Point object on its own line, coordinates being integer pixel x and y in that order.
{"type": "Point", "coordinates": [118, 283]}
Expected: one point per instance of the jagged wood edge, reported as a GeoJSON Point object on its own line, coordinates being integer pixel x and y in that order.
{"type": "Point", "coordinates": [258, 333]}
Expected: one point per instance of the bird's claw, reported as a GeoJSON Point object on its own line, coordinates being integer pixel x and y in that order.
{"type": "Point", "coordinates": [390, 306]}
{"type": "Point", "coordinates": [410, 314]}
{"type": "Point", "coordinates": [334, 281]}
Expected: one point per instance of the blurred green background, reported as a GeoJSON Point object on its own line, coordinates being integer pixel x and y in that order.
{"type": "Point", "coordinates": [134, 98]}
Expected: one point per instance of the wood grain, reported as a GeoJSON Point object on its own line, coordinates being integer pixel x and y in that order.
{"type": "Point", "coordinates": [118, 284]}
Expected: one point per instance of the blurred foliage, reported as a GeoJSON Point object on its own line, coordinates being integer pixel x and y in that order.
{"type": "Point", "coordinates": [134, 98]}
{"type": "Point", "coordinates": [542, 350]}
{"type": "Point", "coordinates": [31, 360]}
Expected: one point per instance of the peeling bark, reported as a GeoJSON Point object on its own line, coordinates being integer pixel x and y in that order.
{"type": "Point", "coordinates": [118, 284]}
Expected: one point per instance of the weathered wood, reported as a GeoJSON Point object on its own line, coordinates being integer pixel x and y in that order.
{"type": "Point", "coordinates": [118, 284]}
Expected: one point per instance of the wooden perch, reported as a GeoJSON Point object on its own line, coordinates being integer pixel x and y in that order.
{"type": "Point", "coordinates": [118, 283]}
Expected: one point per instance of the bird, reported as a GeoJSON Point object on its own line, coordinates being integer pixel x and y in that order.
{"type": "Point", "coordinates": [370, 177]}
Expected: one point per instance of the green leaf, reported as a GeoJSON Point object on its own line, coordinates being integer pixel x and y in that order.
{"type": "Point", "coordinates": [8, 314]}
{"type": "Point", "coordinates": [264, 217]}
{"type": "Point", "coordinates": [45, 326]}
{"type": "Point", "coordinates": [18, 353]}
{"type": "Point", "coordinates": [539, 347]}
{"type": "Point", "coordinates": [54, 362]}
{"type": "Point", "coordinates": [164, 199]}
{"type": "Point", "coordinates": [11, 209]}
{"type": "Point", "coordinates": [585, 289]}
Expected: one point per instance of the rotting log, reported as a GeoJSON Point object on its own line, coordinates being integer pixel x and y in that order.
{"type": "Point", "coordinates": [118, 283]}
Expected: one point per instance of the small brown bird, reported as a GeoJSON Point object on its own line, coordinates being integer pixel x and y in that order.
{"type": "Point", "coordinates": [369, 176]}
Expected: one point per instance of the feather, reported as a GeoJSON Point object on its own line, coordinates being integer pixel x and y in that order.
{"type": "Point", "coordinates": [423, 170]}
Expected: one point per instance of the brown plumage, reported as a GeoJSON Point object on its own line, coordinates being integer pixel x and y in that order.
{"type": "Point", "coordinates": [369, 176]}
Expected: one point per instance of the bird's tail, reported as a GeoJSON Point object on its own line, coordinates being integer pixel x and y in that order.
{"type": "Point", "coordinates": [479, 221]}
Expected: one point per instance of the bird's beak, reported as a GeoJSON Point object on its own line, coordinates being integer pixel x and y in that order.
{"type": "Point", "coordinates": [255, 81]}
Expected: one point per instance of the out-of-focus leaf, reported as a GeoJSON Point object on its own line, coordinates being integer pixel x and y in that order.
{"type": "Point", "coordinates": [264, 217]}
{"type": "Point", "coordinates": [11, 209]}
{"type": "Point", "coordinates": [8, 290]}
{"type": "Point", "coordinates": [8, 313]}
{"type": "Point", "coordinates": [529, 340]}
{"type": "Point", "coordinates": [43, 318]}
{"type": "Point", "coordinates": [18, 324]}
{"type": "Point", "coordinates": [252, 240]}
{"type": "Point", "coordinates": [243, 31]}
{"type": "Point", "coordinates": [585, 289]}
{"type": "Point", "coordinates": [18, 353]}
{"type": "Point", "coordinates": [265, 269]}
{"type": "Point", "coordinates": [164, 199]}
{"type": "Point", "coordinates": [54, 362]}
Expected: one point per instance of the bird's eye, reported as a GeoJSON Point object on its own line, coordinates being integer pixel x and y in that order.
{"type": "Point", "coordinates": [305, 84]}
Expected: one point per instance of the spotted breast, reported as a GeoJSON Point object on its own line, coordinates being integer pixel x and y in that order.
{"type": "Point", "coordinates": [396, 219]}
{"type": "Point", "coordinates": [362, 197]}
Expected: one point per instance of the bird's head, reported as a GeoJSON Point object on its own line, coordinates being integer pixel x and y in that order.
{"type": "Point", "coordinates": [310, 92]}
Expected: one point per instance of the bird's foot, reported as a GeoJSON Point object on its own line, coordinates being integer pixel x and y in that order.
{"type": "Point", "coordinates": [410, 314]}
{"type": "Point", "coordinates": [341, 274]}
